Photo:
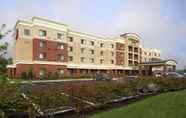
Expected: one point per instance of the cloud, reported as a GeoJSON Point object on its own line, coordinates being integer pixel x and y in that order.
{"type": "Point", "coordinates": [156, 29]}
{"type": "Point", "coordinates": [161, 24]}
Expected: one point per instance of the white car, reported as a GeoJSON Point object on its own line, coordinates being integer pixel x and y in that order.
{"type": "Point", "coordinates": [174, 74]}
{"type": "Point", "coordinates": [184, 74]}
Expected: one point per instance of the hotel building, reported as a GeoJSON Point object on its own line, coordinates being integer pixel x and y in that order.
{"type": "Point", "coordinates": [50, 47]}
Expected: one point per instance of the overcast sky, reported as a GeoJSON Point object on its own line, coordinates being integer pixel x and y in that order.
{"type": "Point", "coordinates": [160, 23]}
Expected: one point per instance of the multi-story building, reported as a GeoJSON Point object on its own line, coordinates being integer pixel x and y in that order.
{"type": "Point", "coordinates": [49, 47]}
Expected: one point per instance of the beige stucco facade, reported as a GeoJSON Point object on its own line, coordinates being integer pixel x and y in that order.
{"type": "Point", "coordinates": [84, 50]}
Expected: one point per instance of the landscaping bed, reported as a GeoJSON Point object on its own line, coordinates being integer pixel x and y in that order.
{"type": "Point", "coordinates": [77, 97]}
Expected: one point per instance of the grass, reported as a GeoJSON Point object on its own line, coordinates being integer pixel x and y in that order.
{"type": "Point", "coordinates": [168, 105]}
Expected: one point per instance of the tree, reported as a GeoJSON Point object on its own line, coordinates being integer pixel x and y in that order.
{"type": "Point", "coordinates": [184, 69]}
{"type": "Point", "coordinates": [4, 32]}
{"type": "Point", "coordinates": [3, 51]}
{"type": "Point", "coordinates": [3, 46]}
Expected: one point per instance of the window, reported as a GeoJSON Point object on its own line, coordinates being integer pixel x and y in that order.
{"type": "Point", "coordinates": [101, 53]}
{"type": "Point", "coordinates": [112, 53]}
{"type": "Point", "coordinates": [112, 61]}
{"type": "Point", "coordinates": [60, 46]}
{"type": "Point", "coordinates": [155, 54]}
{"type": "Point", "coordinates": [82, 59]}
{"type": "Point", "coordinates": [140, 51]}
{"type": "Point", "coordinates": [59, 36]}
{"type": "Point", "coordinates": [91, 51]}
{"type": "Point", "coordinates": [70, 48]}
{"type": "Point", "coordinates": [112, 45]}
{"type": "Point", "coordinates": [42, 44]}
{"type": "Point", "coordinates": [135, 49]}
{"type": "Point", "coordinates": [121, 62]}
{"type": "Point", "coordinates": [135, 63]}
{"type": "Point", "coordinates": [42, 55]}
{"type": "Point", "coordinates": [101, 45]}
{"type": "Point", "coordinates": [26, 32]}
{"type": "Point", "coordinates": [145, 59]}
{"type": "Point", "coordinates": [91, 60]}
{"type": "Point", "coordinates": [92, 43]}
{"type": "Point", "coordinates": [70, 58]}
{"type": "Point", "coordinates": [130, 48]}
{"type": "Point", "coordinates": [149, 54]}
{"type": "Point", "coordinates": [101, 61]}
{"type": "Point", "coordinates": [82, 50]}
{"type": "Point", "coordinates": [130, 63]}
{"type": "Point", "coordinates": [42, 72]}
{"type": "Point", "coordinates": [60, 57]}
{"type": "Point", "coordinates": [82, 41]}
{"type": "Point", "coordinates": [70, 39]}
{"type": "Point", "coordinates": [136, 57]}
{"type": "Point", "coordinates": [42, 33]}
{"type": "Point", "coordinates": [130, 56]}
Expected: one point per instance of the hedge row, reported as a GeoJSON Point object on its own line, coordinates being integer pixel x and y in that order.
{"type": "Point", "coordinates": [72, 94]}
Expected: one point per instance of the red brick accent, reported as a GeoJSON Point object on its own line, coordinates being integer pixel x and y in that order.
{"type": "Point", "coordinates": [20, 68]}
{"type": "Point", "coordinates": [119, 58]}
{"type": "Point", "coordinates": [165, 71]}
{"type": "Point", "coordinates": [120, 46]}
{"type": "Point", "coordinates": [51, 50]}
{"type": "Point", "coordinates": [120, 53]}
{"type": "Point", "coordinates": [174, 70]}
{"type": "Point", "coordinates": [17, 34]}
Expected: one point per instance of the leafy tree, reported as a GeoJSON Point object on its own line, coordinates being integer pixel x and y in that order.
{"type": "Point", "coordinates": [184, 69]}
{"type": "Point", "coordinates": [3, 51]}
{"type": "Point", "coordinates": [3, 46]}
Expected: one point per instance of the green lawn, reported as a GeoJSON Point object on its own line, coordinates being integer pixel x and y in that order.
{"type": "Point", "coordinates": [168, 105]}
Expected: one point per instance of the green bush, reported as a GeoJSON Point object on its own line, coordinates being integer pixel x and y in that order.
{"type": "Point", "coordinates": [27, 75]}
{"type": "Point", "coordinates": [98, 92]}
{"type": "Point", "coordinates": [2, 77]}
{"type": "Point", "coordinates": [53, 76]}
{"type": "Point", "coordinates": [11, 99]}
{"type": "Point", "coordinates": [49, 98]}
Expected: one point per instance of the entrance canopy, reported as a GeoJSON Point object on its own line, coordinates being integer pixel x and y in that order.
{"type": "Point", "coordinates": [169, 62]}
{"type": "Point", "coordinates": [164, 63]}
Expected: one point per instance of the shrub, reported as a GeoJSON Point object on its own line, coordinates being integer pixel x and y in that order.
{"type": "Point", "coordinates": [2, 77]}
{"type": "Point", "coordinates": [53, 76]}
{"type": "Point", "coordinates": [98, 92]}
{"type": "Point", "coordinates": [28, 75]}
{"type": "Point", "coordinates": [11, 99]}
{"type": "Point", "coordinates": [23, 75]}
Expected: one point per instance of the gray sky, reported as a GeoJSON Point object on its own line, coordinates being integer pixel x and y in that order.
{"type": "Point", "coordinates": [160, 23]}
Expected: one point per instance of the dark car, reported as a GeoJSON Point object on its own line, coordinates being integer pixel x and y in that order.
{"type": "Point", "coordinates": [103, 76]}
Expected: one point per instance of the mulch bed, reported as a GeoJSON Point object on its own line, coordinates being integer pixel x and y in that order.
{"type": "Point", "coordinates": [106, 107]}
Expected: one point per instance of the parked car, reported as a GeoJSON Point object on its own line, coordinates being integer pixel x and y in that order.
{"type": "Point", "coordinates": [184, 74]}
{"type": "Point", "coordinates": [116, 78]}
{"type": "Point", "coordinates": [174, 74]}
{"type": "Point", "coordinates": [103, 76]}
{"type": "Point", "coordinates": [131, 77]}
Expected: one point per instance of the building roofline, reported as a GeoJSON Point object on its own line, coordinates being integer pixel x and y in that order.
{"type": "Point", "coordinates": [161, 62]}
{"type": "Point", "coordinates": [88, 34]}
{"type": "Point", "coordinates": [135, 34]}
{"type": "Point", "coordinates": [47, 20]}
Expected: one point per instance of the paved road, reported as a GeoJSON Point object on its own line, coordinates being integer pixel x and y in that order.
{"type": "Point", "coordinates": [64, 80]}
{"type": "Point", "coordinates": [41, 85]}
